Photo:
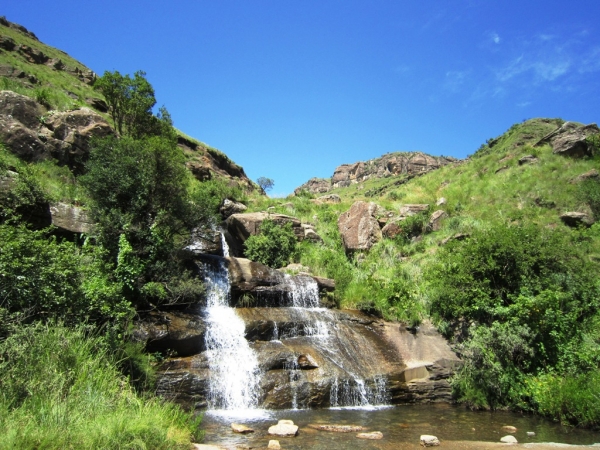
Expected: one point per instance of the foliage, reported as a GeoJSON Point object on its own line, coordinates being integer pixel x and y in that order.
{"type": "Point", "coordinates": [61, 389]}
{"type": "Point", "coordinates": [265, 184]}
{"type": "Point", "coordinates": [130, 102]}
{"type": "Point", "coordinates": [589, 192]}
{"type": "Point", "coordinates": [273, 245]}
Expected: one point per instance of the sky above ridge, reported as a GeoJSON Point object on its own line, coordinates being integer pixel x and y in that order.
{"type": "Point", "coordinates": [292, 89]}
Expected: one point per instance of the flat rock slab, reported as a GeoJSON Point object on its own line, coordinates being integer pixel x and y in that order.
{"type": "Point", "coordinates": [240, 428]}
{"type": "Point", "coordinates": [284, 428]}
{"type": "Point", "coordinates": [373, 435]}
{"type": "Point", "coordinates": [428, 440]}
{"type": "Point", "coordinates": [337, 428]}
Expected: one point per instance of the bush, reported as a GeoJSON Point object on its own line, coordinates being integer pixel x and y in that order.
{"type": "Point", "coordinates": [273, 245]}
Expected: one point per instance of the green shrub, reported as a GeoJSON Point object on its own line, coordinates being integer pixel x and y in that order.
{"type": "Point", "coordinates": [589, 192]}
{"type": "Point", "coordinates": [273, 245]}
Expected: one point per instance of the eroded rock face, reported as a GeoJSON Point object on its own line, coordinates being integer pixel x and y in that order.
{"type": "Point", "coordinates": [359, 227]}
{"type": "Point", "coordinates": [570, 139]}
{"type": "Point", "coordinates": [314, 186]}
{"type": "Point", "coordinates": [71, 219]}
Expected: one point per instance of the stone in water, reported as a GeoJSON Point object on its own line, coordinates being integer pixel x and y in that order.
{"type": "Point", "coordinates": [428, 440]}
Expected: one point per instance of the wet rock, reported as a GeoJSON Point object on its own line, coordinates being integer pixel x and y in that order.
{"type": "Point", "coordinates": [274, 445]}
{"type": "Point", "coordinates": [206, 447]}
{"type": "Point", "coordinates": [241, 428]}
{"type": "Point", "coordinates": [359, 227]}
{"type": "Point", "coordinates": [284, 428]}
{"type": "Point", "coordinates": [436, 219]}
{"type": "Point", "coordinates": [575, 219]}
{"type": "Point", "coordinates": [307, 362]}
{"type": "Point", "coordinates": [509, 429]}
{"type": "Point", "coordinates": [509, 439]}
{"type": "Point", "coordinates": [429, 441]}
{"type": "Point", "coordinates": [373, 435]}
{"type": "Point", "coordinates": [337, 428]}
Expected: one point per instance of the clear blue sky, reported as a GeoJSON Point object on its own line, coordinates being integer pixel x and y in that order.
{"type": "Point", "coordinates": [292, 89]}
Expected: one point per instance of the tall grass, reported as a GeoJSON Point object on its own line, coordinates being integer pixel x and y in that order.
{"type": "Point", "coordinates": [61, 389]}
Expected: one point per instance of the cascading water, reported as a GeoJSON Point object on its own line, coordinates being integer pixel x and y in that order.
{"type": "Point", "coordinates": [233, 384]}
{"type": "Point", "coordinates": [224, 246]}
{"type": "Point", "coordinates": [349, 389]}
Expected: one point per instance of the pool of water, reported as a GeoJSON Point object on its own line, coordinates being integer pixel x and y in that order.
{"type": "Point", "coordinates": [399, 424]}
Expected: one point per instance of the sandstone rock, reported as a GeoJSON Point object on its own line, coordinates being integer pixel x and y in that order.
{"type": "Point", "coordinates": [200, 171]}
{"type": "Point", "coordinates": [7, 43]}
{"type": "Point", "coordinates": [441, 201]}
{"type": "Point", "coordinates": [509, 439]}
{"type": "Point", "coordinates": [359, 227]}
{"type": "Point", "coordinates": [32, 55]}
{"type": "Point", "coordinates": [314, 186]}
{"type": "Point", "coordinates": [311, 235]}
{"type": "Point", "coordinates": [570, 139]}
{"type": "Point", "coordinates": [337, 428]}
{"type": "Point", "coordinates": [307, 362]}
{"type": "Point", "coordinates": [230, 207]}
{"type": "Point", "coordinates": [331, 198]}
{"type": "Point", "coordinates": [528, 159]}
{"type": "Point", "coordinates": [205, 240]}
{"type": "Point", "coordinates": [593, 173]}
{"type": "Point", "coordinates": [20, 140]}
{"type": "Point", "coordinates": [392, 229]}
{"type": "Point", "coordinates": [21, 108]}
{"type": "Point", "coordinates": [412, 209]}
{"type": "Point", "coordinates": [509, 429]}
{"type": "Point", "coordinates": [241, 428]}
{"type": "Point", "coordinates": [435, 220]}
{"type": "Point", "coordinates": [429, 441]}
{"type": "Point", "coordinates": [575, 219]}
{"type": "Point", "coordinates": [284, 428]}
{"type": "Point", "coordinates": [373, 435]}
{"type": "Point", "coordinates": [273, 444]}
{"type": "Point", "coordinates": [71, 218]}
{"type": "Point", "coordinates": [97, 103]}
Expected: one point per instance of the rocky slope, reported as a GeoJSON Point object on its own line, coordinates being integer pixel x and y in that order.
{"type": "Point", "coordinates": [407, 164]}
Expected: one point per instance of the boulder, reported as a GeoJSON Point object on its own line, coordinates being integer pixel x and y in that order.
{"type": "Point", "coordinates": [590, 174]}
{"type": "Point", "coordinates": [273, 445]}
{"type": "Point", "coordinates": [509, 439]}
{"type": "Point", "coordinates": [392, 229]}
{"type": "Point", "coordinates": [21, 108]}
{"type": "Point", "coordinates": [241, 428]}
{"type": "Point", "coordinates": [528, 159]}
{"type": "Point", "coordinates": [7, 43]}
{"type": "Point", "coordinates": [331, 198]}
{"type": "Point", "coordinates": [373, 435]}
{"type": "Point", "coordinates": [575, 219]}
{"type": "Point", "coordinates": [570, 139]}
{"type": "Point", "coordinates": [21, 140]}
{"type": "Point", "coordinates": [284, 428]}
{"type": "Point", "coordinates": [509, 429]}
{"type": "Point", "coordinates": [436, 219]}
{"type": "Point", "coordinates": [429, 441]}
{"type": "Point", "coordinates": [412, 209]}
{"type": "Point", "coordinates": [359, 227]}
{"type": "Point", "coordinates": [230, 207]}
{"type": "Point", "coordinates": [242, 226]}
{"type": "Point", "coordinates": [314, 186]}
{"type": "Point", "coordinates": [70, 219]}
{"type": "Point", "coordinates": [440, 201]}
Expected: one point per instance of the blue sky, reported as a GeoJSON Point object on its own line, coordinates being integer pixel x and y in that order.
{"type": "Point", "coordinates": [292, 89]}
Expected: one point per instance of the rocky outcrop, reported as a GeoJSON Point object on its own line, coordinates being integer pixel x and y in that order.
{"type": "Point", "coordinates": [230, 207]}
{"type": "Point", "coordinates": [570, 139]}
{"type": "Point", "coordinates": [33, 135]}
{"type": "Point", "coordinates": [71, 219]}
{"type": "Point", "coordinates": [575, 219]}
{"type": "Point", "coordinates": [392, 164]}
{"type": "Point", "coordinates": [359, 227]}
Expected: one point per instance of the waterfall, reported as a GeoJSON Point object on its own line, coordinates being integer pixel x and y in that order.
{"type": "Point", "coordinates": [348, 389]}
{"type": "Point", "coordinates": [233, 383]}
{"type": "Point", "coordinates": [224, 245]}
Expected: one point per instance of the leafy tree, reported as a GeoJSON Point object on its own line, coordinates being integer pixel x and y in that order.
{"type": "Point", "coordinates": [273, 245]}
{"type": "Point", "coordinates": [265, 184]}
{"type": "Point", "coordinates": [130, 102]}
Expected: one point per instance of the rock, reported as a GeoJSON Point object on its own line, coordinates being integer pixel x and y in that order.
{"type": "Point", "coordinates": [528, 159]}
{"type": "Point", "coordinates": [501, 169]}
{"type": "Point", "coordinates": [331, 198]}
{"type": "Point", "coordinates": [412, 209]}
{"type": "Point", "coordinates": [392, 229]}
{"type": "Point", "coordinates": [373, 435]}
{"type": "Point", "coordinates": [575, 219]}
{"type": "Point", "coordinates": [590, 174]}
{"type": "Point", "coordinates": [206, 447]}
{"type": "Point", "coordinates": [240, 428]}
{"type": "Point", "coordinates": [307, 362]}
{"type": "Point", "coordinates": [314, 186]}
{"type": "Point", "coordinates": [509, 429]}
{"type": "Point", "coordinates": [242, 226]}
{"type": "Point", "coordinates": [32, 55]}
{"type": "Point", "coordinates": [570, 139]}
{"type": "Point", "coordinates": [21, 108]}
{"type": "Point", "coordinates": [20, 140]}
{"type": "Point", "coordinates": [435, 220]}
{"type": "Point", "coordinates": [359, 227]}
{"type": "Point", "coordinates": [205, 240]}
{"type": "Point", "coordinates": [531, 433]}
{"type": "Point", "coordinates": [429, 441]}
{"type": "Point", "coordinates": [284, 428]}
{"type": "Point", "coordinates": [273, 444]}
{"type": "Point", "coordinates": [509, 439]}
{"type": "Point", "coordinates": [295, 268]}
{"type": "Point", "coordinates": [456, 237]}
{"type": "Point", "coordinates": [441, 201]}
{"type": "Point", "coordinates": [7, 43]}
{"type": "Point", "coordinates": [337, 428]}
{"type": "Point", "coordinates": [312, 236]}
{"type": "Point", "coordinates": [97, 103]}
{"type": "Point", "coordinates": [200, 171]}
{"type": "Point", "coordinates": [71, 219]}
{"type": "Point", "coordinates": [230, 207]}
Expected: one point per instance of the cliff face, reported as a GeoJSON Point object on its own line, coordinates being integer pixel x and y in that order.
{"type": "Point", "coordinates": [390, 164]}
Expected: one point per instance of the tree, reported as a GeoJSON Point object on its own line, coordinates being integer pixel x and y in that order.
{"type": "Point", "coordinates": [265, 183]}
{"type": "Point", "coordinates": [130, 102]}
